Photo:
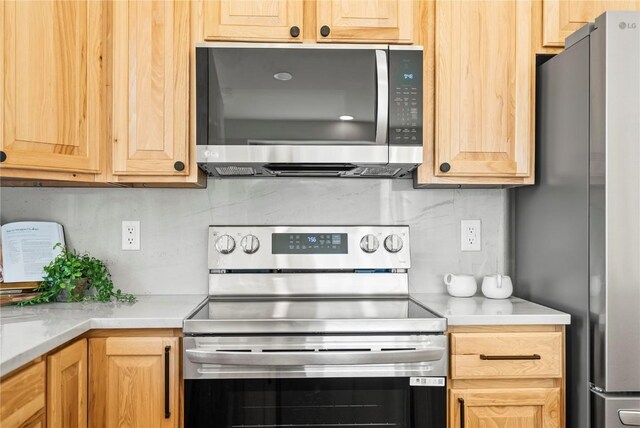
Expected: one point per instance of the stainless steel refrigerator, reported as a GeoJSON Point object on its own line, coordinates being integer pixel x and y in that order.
{"type": "Point", "coordinates": [576, 233]}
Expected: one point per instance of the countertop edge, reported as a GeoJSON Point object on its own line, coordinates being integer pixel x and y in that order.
{"type": "Point", "coordinates": [92, 323]}
{"type": "Point", "coordinates": [127, 323]}
{"type": "Point", "coordinates": [436, 303]}
{"type": "Point", "coordinates": [531, 313]}
{"type": "Point", "coordinates": [470, 320]}
{"type": "Point", "coordinates": [82, 327]}
{"type": "Point", "coordinates": [44, 347]}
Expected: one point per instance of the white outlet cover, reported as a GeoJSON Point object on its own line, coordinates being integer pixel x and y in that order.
{"type": "Point", "coordinates": [131, 235]}
{"type": "Point", "coordinates": [470, 235]}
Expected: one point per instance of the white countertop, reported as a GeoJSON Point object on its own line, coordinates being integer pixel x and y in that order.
{"type": "Point", "coordinates": [478, 310]}
{"type": "Point", "coordinates": [28, 332]}
{"type": "Point", "coordinates": [31, 331]}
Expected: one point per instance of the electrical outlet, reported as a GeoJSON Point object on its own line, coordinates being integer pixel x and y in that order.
{"type": "Point", "coordinates": [131, 235]}
{"type": "Point", "coordinates": [470, 235]}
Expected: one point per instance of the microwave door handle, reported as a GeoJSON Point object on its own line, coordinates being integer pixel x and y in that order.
{"type": "Point", "coordinates": [284, 358]}
{"type": "Point", "coordinates": [382, 76]}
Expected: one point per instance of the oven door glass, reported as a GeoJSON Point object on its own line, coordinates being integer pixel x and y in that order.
{"type": "Point", "coordinates": [290, 96]}
{"type": "Point", "coordinates": [319, 402]}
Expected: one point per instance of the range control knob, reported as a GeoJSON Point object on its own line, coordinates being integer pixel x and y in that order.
{"type": "Point", "coordinates": [369, 243]}
{"type": "Point", "coordinates": [250, 244]}
{"type": "Point", "coordinates": [393, 243]}
{"type": "Point", "coordinates": [225, 244]}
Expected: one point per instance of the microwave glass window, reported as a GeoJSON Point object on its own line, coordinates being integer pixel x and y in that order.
{"type": "Point", "coordinates": [276, 96]}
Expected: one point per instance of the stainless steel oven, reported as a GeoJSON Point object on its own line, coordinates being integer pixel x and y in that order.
{"type": "Point", "coordinates": [313, 327]}
{"type": "Point", "coordinates": [274, 110]}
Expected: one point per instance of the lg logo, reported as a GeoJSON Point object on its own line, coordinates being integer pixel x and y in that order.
{"type": "Point", "coordinates": [628, 25]}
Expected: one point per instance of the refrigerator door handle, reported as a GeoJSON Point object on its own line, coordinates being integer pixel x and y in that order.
{"type": "Point", "coordinates": [629, 417]}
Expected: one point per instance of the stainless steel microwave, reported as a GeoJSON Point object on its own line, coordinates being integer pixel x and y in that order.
{"type": "Point", "coordinates": [273, 110]}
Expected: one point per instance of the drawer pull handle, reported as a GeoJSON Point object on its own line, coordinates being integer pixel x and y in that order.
{"type": "Point", "coordinates": [510, 357]}
{"type": "Point", "coordinates": [461, 405]}
{"type": "Point", "coordinates": [167, 410]}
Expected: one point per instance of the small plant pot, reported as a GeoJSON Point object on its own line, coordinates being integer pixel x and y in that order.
{"type": "Point", "coordinates": [74, 294]}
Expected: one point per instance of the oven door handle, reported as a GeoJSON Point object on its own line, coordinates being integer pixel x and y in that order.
{"type": "Point", "coordinates": [298, 358]}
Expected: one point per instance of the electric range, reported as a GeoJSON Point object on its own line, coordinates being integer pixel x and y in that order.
{"type": "Point", "coordinates": [313, 326]}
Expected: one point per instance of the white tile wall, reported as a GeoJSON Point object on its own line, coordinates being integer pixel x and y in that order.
{"type": "Point", "coordinates": [174, 222]}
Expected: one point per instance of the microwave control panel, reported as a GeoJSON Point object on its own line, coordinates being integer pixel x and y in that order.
{"type": "Point", "coordinates": [405, 97]}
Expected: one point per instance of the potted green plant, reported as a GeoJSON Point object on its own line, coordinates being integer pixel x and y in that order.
{"type": "Point", "coordinates": [70, 274]}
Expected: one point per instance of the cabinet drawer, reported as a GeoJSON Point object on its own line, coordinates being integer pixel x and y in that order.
{"type": "Point", "coordinates": [506, 355]}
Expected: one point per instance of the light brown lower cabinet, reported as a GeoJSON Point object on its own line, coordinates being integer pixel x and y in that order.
{"type": "Point", "coordinates": [67, 386]}
{"type": "Point", "coordinates": [128, 378]}
{"type": "Point", "coordinates": [134, 382]}
{"type": "Point", "coordinates": [22, 398]}
{"type": "Point", "coordinates": [38, 421]}
{"type": "Point", "coordinates": [506, 376]}
{"type": "Point", "coordinates": [522, 408]}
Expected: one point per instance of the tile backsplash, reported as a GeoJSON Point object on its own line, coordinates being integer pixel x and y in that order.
{"type": "Point", "coordinates": [174, 221]}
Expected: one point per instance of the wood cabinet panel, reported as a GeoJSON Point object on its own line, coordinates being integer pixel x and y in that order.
{"type": "Point", "coordinates": [522, 408]}
{"type": "Point", "coordinates": [506, 393]}
{"type": "Point", "coordinates": [50, 108]}
{"type": "Point", "coordinates": [560, 18]}
{"type": "Point", "coordinates": [38, 421]}
{"type": "Point", "coordinates": [127, 381]}
{"type": "Point", "coordinates": [67, 386]}
{"type": "Point", "coordinates": [365, 20]}
{"type": "Point", "coordinates": [467, 349]}
{"type": "Point", "coordinates": [151, 48]}
{"type": "Point", "coordinates": [253, 20]}
{"type": "Point", "coordinates": [22, 398]}
{"type": "Point", "coordinates": [484, 108]}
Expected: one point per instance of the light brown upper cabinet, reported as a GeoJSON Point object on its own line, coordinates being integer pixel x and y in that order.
{"type": "Point", "coordinates": [151, 48]}
{"type": "Point", "coordinates": [479, 93]}
{"type": "Point", "coordinates": [99, 92]}
{"type": "Point", "coordinates": [365, 20]}
{"type": "Point", "coordinates": [254, 20]}
{"type": "Point", "coordinates": [67, 386]}
{"type": "Point", "coordinates": [349, 21]}
{"type": "Point", "coordinates": [52, 78]}
{"type": "Point", "coordinates": [560, 18]}
{"type": "Point", "coordinates": [484, 88]}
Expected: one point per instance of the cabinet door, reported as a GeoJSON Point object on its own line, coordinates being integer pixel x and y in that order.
{"type": "Point", "coordinates": [67, 386]}
{"type": "Point", "coordinates": [522, 408]}
{"type": "Point", "coordinates": [365, 20]}
{"type": "Point", "coordinates": [253, 20]}
{"type": "Point", "coordinates": [22, 398]}
{"type": "Point", "coordinates": [560, 18]}
{"type": "Point", "coordinates": [484, 89]}
{"type": "Point", "coordinates": [133, 382]}
{"type": "Point", "coordinates": [151, 47]}
{"type": "Point", "coordinates": [50, 117]}
{"type": "Point", "coordinates": [38, 421]}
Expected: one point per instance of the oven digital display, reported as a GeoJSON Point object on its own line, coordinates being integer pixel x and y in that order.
{"type": "Point", "coordinates": [309, 243]}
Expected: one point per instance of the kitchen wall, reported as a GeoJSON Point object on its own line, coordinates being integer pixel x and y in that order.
{"type": "Point", "coordinates": [174, 221]}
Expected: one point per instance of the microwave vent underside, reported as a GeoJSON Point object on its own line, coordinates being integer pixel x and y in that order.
{"type": "Point", "coordinates": [228, 171]}
{"type": "Point", "coordinates": [377, 171]}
